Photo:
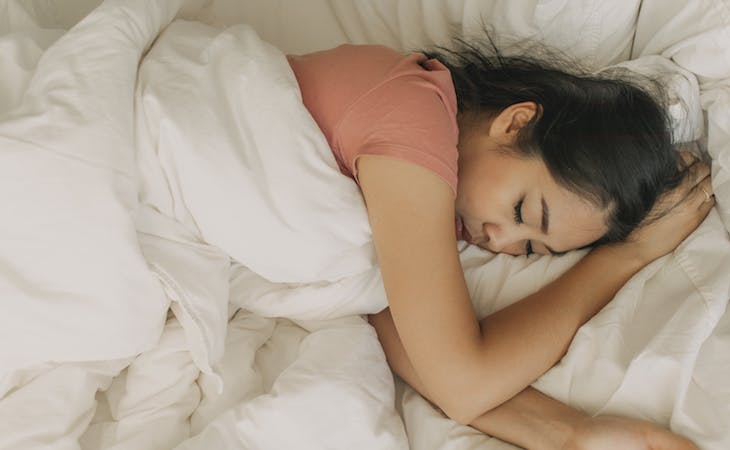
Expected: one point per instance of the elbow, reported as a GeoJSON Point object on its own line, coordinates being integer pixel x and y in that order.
{"type": "Point", "coordinates": [466, 400]}
{"type": "Point", "coordinates": [459, 405]}
{"type": "Point", "coordinates": [463, 409]}
{"type": "Point", "coordinates": [461, 415]}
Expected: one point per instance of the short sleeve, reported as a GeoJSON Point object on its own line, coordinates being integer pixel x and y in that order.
{"type": "Point", "coordinates": [406, 118]}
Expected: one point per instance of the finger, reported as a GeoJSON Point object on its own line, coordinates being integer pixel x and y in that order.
{"type": "Point", "coordinates": [686, 159]}
{"type": "Point", "coordinates": [702, 191]}
{"type": "Point", "coordinates": [698, 171]}
{"type": "Point", "coordinates": [703, 209]}
{"type": "Point", "coordinates": [688, 191]}
{"type": "Point", "coordinates": [706, 207]}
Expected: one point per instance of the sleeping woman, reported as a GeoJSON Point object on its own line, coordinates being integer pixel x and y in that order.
{"type": "Point", "coordinates": [514, 155]}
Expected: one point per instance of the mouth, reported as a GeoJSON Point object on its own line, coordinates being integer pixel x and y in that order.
{"type": "Point", "coordinates": [462, 234]}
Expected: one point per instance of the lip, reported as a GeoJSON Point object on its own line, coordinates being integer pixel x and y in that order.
{"type": "Point", "coordinates": [467, 236]}
{"type": "Point", "coordinates": [462, 233]}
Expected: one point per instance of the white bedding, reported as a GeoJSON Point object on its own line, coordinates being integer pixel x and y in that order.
{"type": "Point", "coordinates": [134, 191]}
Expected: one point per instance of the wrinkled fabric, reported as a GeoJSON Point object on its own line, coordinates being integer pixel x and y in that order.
{"type": "Point", "coordinates": [254, 356]}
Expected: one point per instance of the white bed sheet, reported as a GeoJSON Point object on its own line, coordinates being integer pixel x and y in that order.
{"type": "Point", "coordinates": [660, 350]}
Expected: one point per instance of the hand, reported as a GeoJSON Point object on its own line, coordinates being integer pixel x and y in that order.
{"type": "Point", "coordinates": [612, 432]}
{"type": "Point", "coordinates": [675, 215]}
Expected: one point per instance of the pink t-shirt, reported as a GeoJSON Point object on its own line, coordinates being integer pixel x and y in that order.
{"type": "Point", "coordinates": [372, 100]}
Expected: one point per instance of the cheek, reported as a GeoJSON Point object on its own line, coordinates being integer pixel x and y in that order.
{"type": "Point", "coordinates": [485, 187]}
{"type": "Point", "coordinates": [470, 192]}
{"type": "Point", "coordinates": [477, 203]}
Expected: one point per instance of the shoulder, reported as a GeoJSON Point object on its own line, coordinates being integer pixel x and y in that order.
{"type": "Point", "coordinates": [370, 99]}
{"type": "Point", "coordinates": [368, 66]}
{"type": "Point", "coordinates": [407, 116]}
{"type": "Point", "coordinates": [363, 61]}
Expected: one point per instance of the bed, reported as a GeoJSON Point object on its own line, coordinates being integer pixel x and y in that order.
{"type": "Point", "coordinates": [145, 151]}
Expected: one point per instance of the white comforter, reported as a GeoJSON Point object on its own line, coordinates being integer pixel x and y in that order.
{"type": "Point", "coordinates": [198, 182]}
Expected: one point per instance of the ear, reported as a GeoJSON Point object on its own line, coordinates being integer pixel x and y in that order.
{"type": "Point", "coordinates": [512, 119]}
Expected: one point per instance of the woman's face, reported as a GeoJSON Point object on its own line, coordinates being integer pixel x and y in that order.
{"type": "Point", "coordinates": [509, 204]}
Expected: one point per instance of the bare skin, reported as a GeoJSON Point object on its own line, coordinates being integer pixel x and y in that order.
{"type": "Point", "coordinates": [430, 333]}
{"type": "Point", "coordinates": [535, 421]}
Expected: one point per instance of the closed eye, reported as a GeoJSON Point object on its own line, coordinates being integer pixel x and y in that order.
{"type": "Point", "coordinates": [518, 211]}
{"type": "Point", "coordinates": [520, 221]}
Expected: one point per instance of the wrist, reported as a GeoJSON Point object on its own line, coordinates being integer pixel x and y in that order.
{"type": "Point", "coordinates": [560, 430]}
{"type": "Point", "coordinates": [632, 254]}
{"type": "Point", "coordinates": [567, 432]}
{"type": "Point", "coordinates": [533, 421]}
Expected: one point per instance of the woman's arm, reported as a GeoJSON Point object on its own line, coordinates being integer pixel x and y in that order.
{"type": "Point", "coordinates": [462, 365]}
{"type": "Point", "coordinates": [530, 419]}
{"type": "Point", "coordinates": [533, 420]}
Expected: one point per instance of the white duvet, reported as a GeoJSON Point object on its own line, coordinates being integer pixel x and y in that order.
{"type": "Point", "coordinates": [197, 182]}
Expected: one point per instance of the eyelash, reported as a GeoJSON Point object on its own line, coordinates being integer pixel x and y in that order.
{"type": "Point", "coordinates": [518, 212]}
{"type": "Point", "coordinates": [519, 221]}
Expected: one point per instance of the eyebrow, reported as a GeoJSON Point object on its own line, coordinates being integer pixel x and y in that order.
{"type": "Point", "coordinates": [545, 226]}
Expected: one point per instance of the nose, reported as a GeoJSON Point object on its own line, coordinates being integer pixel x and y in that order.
{"type": "Point", "coordinates": [501, 239]}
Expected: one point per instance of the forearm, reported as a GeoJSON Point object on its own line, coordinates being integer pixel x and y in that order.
{"type": "Point", "coordinates": [460, 360]}
{"type": "Point", "coordinates": [531, 419]}
{"type": "Point", "coordinates": [528, 337]}
{"type": "Point", "coordinates": [534, 421]}
{"type": "Point", "coordinates": [525, 339]}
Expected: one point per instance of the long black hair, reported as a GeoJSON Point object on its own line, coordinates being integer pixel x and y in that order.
{"type": "Point", "coordinates": [606, 137]}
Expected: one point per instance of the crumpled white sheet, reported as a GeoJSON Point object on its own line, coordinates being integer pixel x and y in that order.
{"type": "Point", "coordinates": [220, 117]}
{"type": "Point", "coordinates": [70, 262]}
{"type": "Point", "coordinates": [659, 351]}
{"type": "Point", "coordinates": [695, 35]}
{"type": "Point", "coordinates": [227, 155]}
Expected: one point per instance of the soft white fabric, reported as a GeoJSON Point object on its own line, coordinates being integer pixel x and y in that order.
{"type": "Point", "coordinates": [49, 406]}
{"type": "Point", "coordinates": [695, 36]}
{"type": "Point", "coordinates": [217, 376]}
{"type": "Point", "coordinates": [156, 393]}
{"type": "Point", "coordinates": [598, 32]}
{"type": "Point", "coordinates": [336, 393]}
{"type": "Point", "coordinates": [232, 165]}
{"type": "Point", "coordinates": [215, 182]}
{"type": "Point", "coordinates": [222, 118]}
{"type": "Point", "coordinates": [70, 263]}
